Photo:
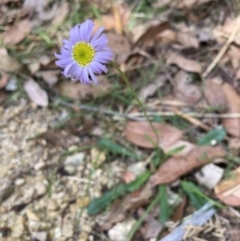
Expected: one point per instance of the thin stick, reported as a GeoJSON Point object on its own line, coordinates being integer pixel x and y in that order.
{"type": "Point", "coordinates": [222, 52]}
{"type": "Point", "coordinates": [141, 117]}
{"type": "Point", "coordinates": [139, 103]}
{"type": "Point", "coordinates": [142, 218]}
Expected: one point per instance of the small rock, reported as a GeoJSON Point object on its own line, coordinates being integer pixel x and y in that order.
{"type": "Point", "coordinates": [19, 182]}
{"type": "Point", "coordinates": [83, 236]}
{"type": "Point", "coordinates": [137, 168]}
{"type": "Point", "coordinates": [52, 205]}
{"type": "Point", "coordinates": [31, 215]}
{"type": "Point", "coordinates": [40, 188]}
{"type": "Point", "coordinates": [120, 231]}
{"type": "Point", "coordinates": [44, 60]}
{"type": "Point", "coordinates": [67, 229]}
{"type": "Point", "coordinates": [18, 228]}
{"type": "Point", "coordinates": [34, 67]}
{"type": "Point", "coordinates": [70, 169]}
{"type": "Point", "coordinates": [36, 226]}
{"type": "Point", "coordinates": [209, 176]}
{"type": "Point", "coordinates": [75, 160]}
{"type": "Point", "coordinates": [12, 85]}
{"type": "Point", "coordinates": [40, 236]}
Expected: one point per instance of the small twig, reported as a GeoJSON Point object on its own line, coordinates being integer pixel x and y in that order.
{"type": "Point", "coordinates": [140, 116]}
{"type": "Point", "coordinates": [222, 52]}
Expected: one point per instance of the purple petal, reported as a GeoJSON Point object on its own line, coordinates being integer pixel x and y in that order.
{"type": "Point", "coordinates": [85, 30]}
{"type": "Point", "coordinates": [66, 70]}
{"type": "Point", "coordinates": [74, 35]}
{"type": "Point", "coordinates": [96, 35]}
{"type": "Point", "coordinates": [94, 79]}
{"type": "Point", "coordinates": [85, 76]}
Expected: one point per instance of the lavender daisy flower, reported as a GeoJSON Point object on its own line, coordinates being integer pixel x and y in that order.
{"type": "Point", "coordinates": [84, 55]}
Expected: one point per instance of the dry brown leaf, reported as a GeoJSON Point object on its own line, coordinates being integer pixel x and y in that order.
{"type": "Point", "coordinates": [36, 93]}
{"type": "Point", "coordinates": [188, 3]}
{"type": "Point", "coordinates": [131, 202]}
{"type": "Point", "coordinates": [176, 167]}
{"type": "Point", "coordinates": [150, 33]}
{"type": "Point", "coordinates": [50, 76]}
{"type": "Point", "coordinates": [61, 14]}
{"type": "Point", "coordinates": [232, 125]}
{"type": "Point", "coordinates": [222, 33]}
{"type": "Point", "coordinates": [107, 21]}
{"type": "Point", "coordinates": [167, 36]}
{"type": "Point", "coordinates": [110, 21]}
{"type": "Point", "coordinates": [120, 46]}
{"type": "Point", "coordinates": [234, 56]}
{"type": "Point", "coordinates": [118, 20]}
{"type": "Point", "coordinates": [3, 79]}
{"type": "Point", "coordinates": [186, 37]}
{"type": "Point", "coordinates": [151, 229]}
{"type": "Point", "coordinates": [115, 214]}
{"type": "Point", "coordinates": [187, 40]}
{"type": "Point", "coordinates": [7, 63]}
{"type": "Point", "coordinates": [182, 62]}
{"type": "Point", "coordinates": [17, 32]}
{"type": "Point", "coordinates": [141, 134]}
{"type": "Point", "coordinates": [184, 91]}
{"type": "Point", "coordinates": [179, 211]}
{"type": "Point", "coordinates": [213, 92]}
{"type": "Point", "coordinates": [78, 91]}
{"type": "Point", "coordinates": [228, 191]}
{"type": "Point", "coordinates": [150, 90]}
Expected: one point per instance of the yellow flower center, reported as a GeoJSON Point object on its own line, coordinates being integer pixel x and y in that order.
{"type": "Point", "coordinates": [83, 53]}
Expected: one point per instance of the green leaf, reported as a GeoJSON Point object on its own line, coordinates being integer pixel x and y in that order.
{"type": "Point", "coordinates": [165, 210]}
{"type": "Point", "coordinates": [217, 135]}
{"type": "Point", "coordinates": [113, 147]}
{"type": "Point", "coordinates": [174, 151]}
{"type": "Point", "coordinates": [99, 204]}
{"type": "Point", "coordinates": [196, 196]}
{"type": "Point", "coordinates": [138, 182]}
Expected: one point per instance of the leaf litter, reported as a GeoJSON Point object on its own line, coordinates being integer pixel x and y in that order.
{"type": "Point", "coordinates": [117, 165]}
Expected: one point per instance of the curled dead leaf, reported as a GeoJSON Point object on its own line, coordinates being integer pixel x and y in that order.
{"type": "Point", "coordinates": [221, 33]}
{"type": "Point", "coordinates": [151, 89]}
{"type": "Point", "coordinates": [7, 63]}
{"type": "Point", "coordinates": [188, 4]}
{"type": "Point", "coordinates": [120, 46]}
{"type": "Point", "coordinates": [149, 31]}
{"type": "Point", "coordinates": [186, 37]}
{"type": "Point", "coordinates": [228, 191]}
{"type": "Point", "coordinates": [185, 91]}
{"type": "Point", "coordinates": [176, 167]}
{"type": "Point", "coordinates": [213, 92]}
{"type": "Point", "coordinates": [61, 14]}
{"type": "Point", "coordinates": [17, 32]}
{"type": "Point", "coordinates": [50, 76]}
{"type": "Point", "coordinates": [182, 62]}
{"type": "Point", "coordinates": [232, 125]}
{"type": "Point", "coordinates": [187, 40]}
{"type": "Point", "coordinates": [141, 134]}
{"type": "Point", "coordinates": [36, 93]}
{"type": "Point", "coordinates": [3, 79]}
{"type": "Point", "coordinates": [78, 91]}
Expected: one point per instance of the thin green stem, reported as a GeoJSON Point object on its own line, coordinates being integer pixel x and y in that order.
{"type": "Point", "coordinates": [144, 215]}
{"type": "Point", "coordinates": [139, 103]}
